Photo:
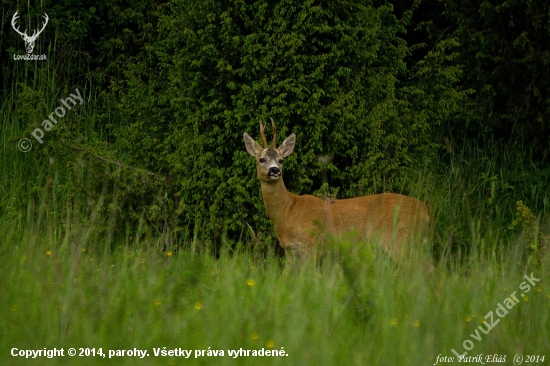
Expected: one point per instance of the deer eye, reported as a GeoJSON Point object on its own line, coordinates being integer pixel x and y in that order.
{"type": "Point", "coordinates": [262, 160]}
{"type": "Point", "coordinates": [280, 161]}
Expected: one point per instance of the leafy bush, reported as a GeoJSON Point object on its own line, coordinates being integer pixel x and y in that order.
{"type": "Point", "coordinates": [332, 72]}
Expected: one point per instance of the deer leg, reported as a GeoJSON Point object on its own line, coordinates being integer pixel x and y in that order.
{"type": "Point", "coordinates": [296, 254]}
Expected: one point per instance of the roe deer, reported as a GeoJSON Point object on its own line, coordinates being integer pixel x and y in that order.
{"type": "Point", "coordinates": [302, 222]}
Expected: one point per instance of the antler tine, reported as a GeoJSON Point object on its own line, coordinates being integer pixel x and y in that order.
{"type": "Point", "coordinates": [262, 134]}
{"type": "Point", "coordinates": [36, 33]}
{"type": "Point", "coordinates": [16, 28]}
{"type": "Point", "coordinates": [46, 18]}
{"type": "Point", "coordinates": [274, 133]}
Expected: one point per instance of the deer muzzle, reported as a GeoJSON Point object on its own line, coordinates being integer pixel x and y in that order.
{"type": "Point", "coordinates": [274, 172]}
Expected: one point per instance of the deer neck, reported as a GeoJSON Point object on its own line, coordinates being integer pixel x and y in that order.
{"type": "Point", "coordinates": [277, 199]}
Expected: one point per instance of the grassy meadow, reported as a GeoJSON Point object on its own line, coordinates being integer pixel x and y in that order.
{"type": "Point", "coordinates": [62, 286]}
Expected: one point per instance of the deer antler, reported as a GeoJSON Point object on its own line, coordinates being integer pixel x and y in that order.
{"type": "Point", "coordinates": [274, 133]}
{"type": "Point", "coordinates": [15, 16]}
{"type": "Point", "coordinates": [262, 134]}
{"type": "Point", "coordinates": [35, 35]}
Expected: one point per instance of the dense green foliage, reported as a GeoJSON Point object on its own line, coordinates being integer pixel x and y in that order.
{"type": "Point", "coordinates": [318, 69]}
{"type": "Point", "coordinates": [509, 63]}
{"type": "Point", "coordinates": [390, 90]}
{"type": "Point", "coordinates": [504, 53]}
{"type": "Point", "coordinates": [327, 72]}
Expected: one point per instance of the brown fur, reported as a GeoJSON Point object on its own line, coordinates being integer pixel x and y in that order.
{"type": "Point", "coordinates": [302, 222]}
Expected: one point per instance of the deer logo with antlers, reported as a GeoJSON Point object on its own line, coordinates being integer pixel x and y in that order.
{"type": "Point", "coordinates": [29, 40]}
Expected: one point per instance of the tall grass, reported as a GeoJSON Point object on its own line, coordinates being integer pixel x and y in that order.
{"type": "Point", "coordinates": [358, 309]}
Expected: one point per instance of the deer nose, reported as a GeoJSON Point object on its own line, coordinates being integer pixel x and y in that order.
{"type": "Point", "coordinates": [274, 171]}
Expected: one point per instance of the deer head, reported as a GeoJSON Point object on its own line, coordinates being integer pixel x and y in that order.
{"type": "Point", "coordinates": [269, 160]}
{"type": "Point", "coordinates": [29, 40]}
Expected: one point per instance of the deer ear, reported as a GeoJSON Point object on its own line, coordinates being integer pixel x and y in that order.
{"type": "Point", "coordinates": [251, 146]}
{"type": "Point", "coordinates": [287, 147]}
